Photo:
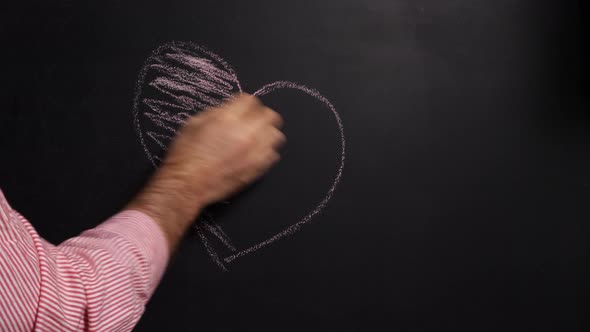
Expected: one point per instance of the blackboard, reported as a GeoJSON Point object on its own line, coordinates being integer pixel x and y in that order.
{"type": "Point", "coordinates": [464, 199]}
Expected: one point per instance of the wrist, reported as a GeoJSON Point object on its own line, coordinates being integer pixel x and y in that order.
{"type": "Point", "coordinates": [172, 204]}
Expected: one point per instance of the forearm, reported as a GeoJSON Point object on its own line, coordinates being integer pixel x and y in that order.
{"type": "Point", "coordinates": [170, 202]}
{"type": "Point", "coordinates": [101, 279]}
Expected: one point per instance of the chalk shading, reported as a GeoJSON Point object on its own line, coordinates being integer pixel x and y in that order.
{"type": "Point", "coordinates": [180, 79]}
{"type": "Point", "coordinates": [213, 228]}
{"type": "Point", "coordinates": [177, 80]}
{"type": "Point", "coordinates": [208, 247]}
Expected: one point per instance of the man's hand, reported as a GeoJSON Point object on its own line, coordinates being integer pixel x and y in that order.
{"type": "Point", "coordinates": [215, 154]}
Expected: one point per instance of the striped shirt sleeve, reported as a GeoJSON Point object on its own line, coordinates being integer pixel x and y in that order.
{"type": "Point", "coordinates": [97, 281]}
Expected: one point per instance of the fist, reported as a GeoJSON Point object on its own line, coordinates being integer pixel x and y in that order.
{"type": "Point", "coordinates": [222, 149]}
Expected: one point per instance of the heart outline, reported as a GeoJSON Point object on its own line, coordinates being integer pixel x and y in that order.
{"type": "Point", "coordinates": [294, 227]}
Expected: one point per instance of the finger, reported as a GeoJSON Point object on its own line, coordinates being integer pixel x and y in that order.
{"type": "Point", "coordinates": [262, 162]}
{"type": "Point", "coordinates": [274, 118]}
{"type": "Point", "coordinates": [247, 104]}
{"type": "Point", "coordinates": [277, 138]}
{"type": "Point", "coordinates": [267, 117]}
{"type": "Point", "coordinates": [194, 120]}
{"type": "Point", "coordinates": [270, 138]}
{"type": "Point", "coordinates": [274, 158]}
{"type": "Point", "coordinates": [269, 160]}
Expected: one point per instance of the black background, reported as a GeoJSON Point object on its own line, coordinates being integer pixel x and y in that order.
{"type": "Point", "coordinates": [464, 204]}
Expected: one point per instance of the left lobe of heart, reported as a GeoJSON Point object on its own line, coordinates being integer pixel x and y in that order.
{"type": "Point", "coordinates": [178, 80]}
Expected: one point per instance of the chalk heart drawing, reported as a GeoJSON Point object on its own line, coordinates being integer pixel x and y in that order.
{"type": "Point", "coordinates": [180, 79]}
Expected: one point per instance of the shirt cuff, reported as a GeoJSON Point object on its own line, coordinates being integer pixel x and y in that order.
{"type": "Point", "coordinates": [147, 236]}
{"type": "Point", "coordinates": [4, 208]}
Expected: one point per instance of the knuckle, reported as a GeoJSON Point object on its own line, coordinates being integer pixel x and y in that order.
{"type": "Point", "coordinates": [275, 118]}
{"type": "Point", "coordinates": [276, 157]}
{"type": "Point", "coordinates": [249, 100]}
{"type": "Point", "coordinates": [282, 137]}
{"type": "Point", "coordinates": [192, 122]}
{"type": "Point", "coordinates": [248, 141]}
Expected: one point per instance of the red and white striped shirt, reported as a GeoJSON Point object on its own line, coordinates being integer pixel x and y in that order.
{"type": "Point", "coordinates": [97, 281]}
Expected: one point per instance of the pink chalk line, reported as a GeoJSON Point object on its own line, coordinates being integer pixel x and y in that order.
{"type": "Point", "coordinates": [296, 226]}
